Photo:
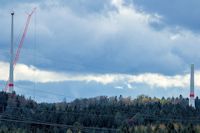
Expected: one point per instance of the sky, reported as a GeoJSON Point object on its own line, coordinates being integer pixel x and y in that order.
{"type": "Point", "coordinates": [86, 48]}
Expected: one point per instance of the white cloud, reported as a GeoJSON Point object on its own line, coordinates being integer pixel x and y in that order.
{"type": "Point", "coordinates": [129, 86]}
{"type": "Point", "coordinates": [118, 3]}
{"type": "Point", "coordinates": [30, 73]}
{"type": "Point", "coordinates": [159, 80]}
{"type": "Point", "coordinates": [119, 87]}
{"type": "Point", "coordinates": [174, 37]}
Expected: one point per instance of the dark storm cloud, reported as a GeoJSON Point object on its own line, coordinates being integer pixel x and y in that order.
{"type": "Point", "coordinates": [181, 13]}
{"type": "Point", "coordinates": [90, 37]}
{"type": "Point", "coordinates": [79, 6]}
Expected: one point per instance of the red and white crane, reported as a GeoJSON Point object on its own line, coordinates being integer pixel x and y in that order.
{"type": "Point", "coordinates": [9, 84]}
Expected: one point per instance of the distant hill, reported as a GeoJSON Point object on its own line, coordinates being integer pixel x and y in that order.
{"type": "Point", "coordinates": [100, 114]}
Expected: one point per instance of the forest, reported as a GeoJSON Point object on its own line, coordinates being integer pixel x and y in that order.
{"type": "Point", "coordinates": [101, 114]}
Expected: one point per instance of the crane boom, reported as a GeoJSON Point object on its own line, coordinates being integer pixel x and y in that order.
{"type": "Point", "coordinates": [20, 44]}
{"type": "Point", "coordinates": [23, 37]}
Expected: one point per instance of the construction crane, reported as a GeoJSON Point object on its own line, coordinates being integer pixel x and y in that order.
{"type": "Point", "coordinates": [20, 45]}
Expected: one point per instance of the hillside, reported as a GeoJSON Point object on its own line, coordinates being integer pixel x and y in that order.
{"type": "Point", "coordinates": [99, 114]}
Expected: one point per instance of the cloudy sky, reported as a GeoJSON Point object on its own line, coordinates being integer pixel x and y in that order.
{"type": "Point", "coordinates": [87, 48]}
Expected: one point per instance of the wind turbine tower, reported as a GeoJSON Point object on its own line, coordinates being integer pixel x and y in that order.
{"type": "Point", "coordinates": [192, 100]}
{"type": "Point", "coordinates": [11, 79]}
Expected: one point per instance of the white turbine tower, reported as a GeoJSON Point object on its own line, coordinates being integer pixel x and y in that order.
{"type": "Point", "coordinates": [192, 100]}
{"type": "Point", "coordinates": [11, 79]}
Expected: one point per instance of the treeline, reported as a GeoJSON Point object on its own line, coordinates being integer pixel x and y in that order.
{"type": "Point", "coordinates": [100, 114]}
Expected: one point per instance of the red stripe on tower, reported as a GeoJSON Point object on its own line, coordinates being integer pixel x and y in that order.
{"type": "Point", "coordinates": [191, 94]}
{"type": "Point", "coordinates": [10, 85]}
